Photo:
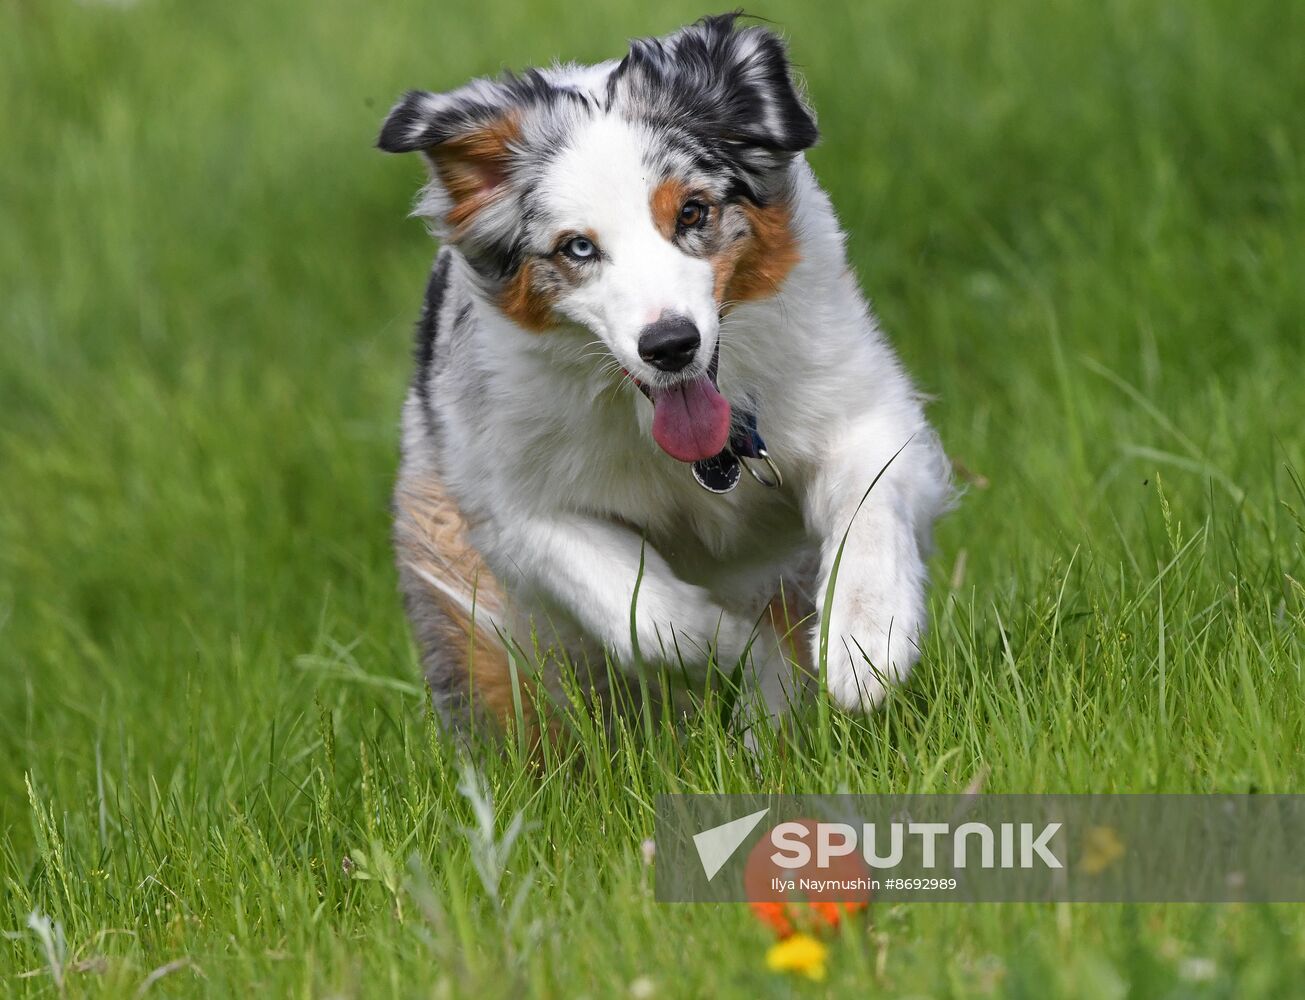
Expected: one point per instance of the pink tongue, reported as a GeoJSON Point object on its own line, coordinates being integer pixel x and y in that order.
{"type": "Point", "coordinates": [691, 421]}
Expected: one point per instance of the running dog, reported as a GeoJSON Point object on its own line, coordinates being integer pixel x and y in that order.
{"type": "Point", "coordinates": [649, 395]}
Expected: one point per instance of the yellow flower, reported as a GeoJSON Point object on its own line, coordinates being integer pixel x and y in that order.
{"type": "Point", "coordinates": [1101, 849]}
{"type": "Point", "coordinates": [798, 953]}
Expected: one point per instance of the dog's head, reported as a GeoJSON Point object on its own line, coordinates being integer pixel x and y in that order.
{"type": "Point", "coordinates": [638, 200]}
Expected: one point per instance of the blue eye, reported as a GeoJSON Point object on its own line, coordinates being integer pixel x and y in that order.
{"type": "Point", "coordinates": [580, 248]}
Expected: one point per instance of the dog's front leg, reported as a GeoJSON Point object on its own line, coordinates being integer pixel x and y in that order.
{"type": "Point", "coordinates": [877, 613]}
{"type": "Point", "coordinates": [592, 570]}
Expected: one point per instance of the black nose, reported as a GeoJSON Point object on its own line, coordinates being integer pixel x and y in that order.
{"type": "Point", "coordinates": [670, 343]}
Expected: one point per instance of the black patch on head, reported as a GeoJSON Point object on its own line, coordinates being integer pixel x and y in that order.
{"type": "Point", "coordinates": [729, 86]}
{"type": "Point", "coordinates": [422, 120]}
{"type": "Point", "coordinates": [428, 328]}
{"type": "Point", "coordinates": [527, 108]}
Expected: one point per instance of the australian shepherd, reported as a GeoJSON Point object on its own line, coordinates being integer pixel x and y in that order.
{"type": "Point", "coordinates": [650, 397]}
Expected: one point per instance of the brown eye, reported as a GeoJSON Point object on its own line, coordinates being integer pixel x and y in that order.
{"type": "Point", "coordinates": [692, 215]}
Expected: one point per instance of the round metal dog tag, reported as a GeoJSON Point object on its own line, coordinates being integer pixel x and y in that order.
{"type": "Point", "coordinates": [719, 474]}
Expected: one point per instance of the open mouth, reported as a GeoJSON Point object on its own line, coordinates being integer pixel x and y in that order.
{"type": "Point", "coordinates": [691, 419]}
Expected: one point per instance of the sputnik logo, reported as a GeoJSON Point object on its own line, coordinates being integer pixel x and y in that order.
{"type": "Point", "coordinates": [717, 845]}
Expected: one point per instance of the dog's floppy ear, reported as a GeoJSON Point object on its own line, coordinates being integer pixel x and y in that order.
{"type": "Point", "coordinates": [731, 84]}
{"type": "Point", "coordinates": [747, 74]}
{"type": "Point", "coordinates": [469, 137]}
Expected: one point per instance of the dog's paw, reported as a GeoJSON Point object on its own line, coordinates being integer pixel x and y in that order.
{"type": "Point", "coordinates": [863, 665]}
{"type": "Point", "coordinates": [734, 637]}
{"type": "Point", "coordinates": [694, 634]}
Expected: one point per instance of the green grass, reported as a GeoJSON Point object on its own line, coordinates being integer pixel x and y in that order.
{"type": "Point", "coordinates": [1083, 225]}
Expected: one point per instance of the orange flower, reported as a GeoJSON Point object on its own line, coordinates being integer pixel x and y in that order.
{"type": "Point", "coordinates": [775, 915]}
{"type": "Point", "coordinates": [832, 913]}
{"type": "Point", "coordinates": [785, 918]}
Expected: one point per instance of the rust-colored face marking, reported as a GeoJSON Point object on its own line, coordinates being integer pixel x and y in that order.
{"type": "Point", "coordinates": [668, 198]}
{"type": "Point", "coordinates": [474, 166]}
{"type": "Point", "coordinates": [756, 266]}
{"type": "Point", "coordinates": [724, 263]}
{"type": "Point", "coordinates": [524, 302]}
{"type": "Point", "coordinates": [746, 269]}
{"type": "Point", "coordinates": [528, 297]}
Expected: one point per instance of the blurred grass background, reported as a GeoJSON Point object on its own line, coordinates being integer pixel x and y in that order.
{"type": "Point", "coordinates": [1082, 224]}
